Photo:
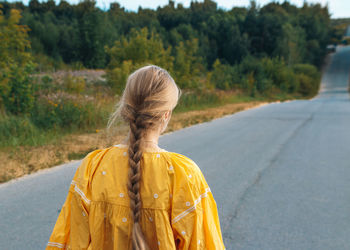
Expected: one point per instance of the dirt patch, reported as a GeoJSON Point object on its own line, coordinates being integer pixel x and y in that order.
{"type": "Point", "coordinates": [26, 160]}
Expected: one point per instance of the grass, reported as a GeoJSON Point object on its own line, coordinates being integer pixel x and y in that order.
{"type": "Point", "coordinates": [51, 136]}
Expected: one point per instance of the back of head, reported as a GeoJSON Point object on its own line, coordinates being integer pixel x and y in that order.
{"type": "Point", "coordinates": [149, 93]}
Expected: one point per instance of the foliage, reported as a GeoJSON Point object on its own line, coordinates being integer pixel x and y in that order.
{"type": "Point", "coordinates": [135, 51]}
{"type": "Point", "coordinates": [268, 51]}
{"type": "Point", "coordinates": [16, 90]}
{"type": "Point", "coordinates": [74, 85]}
{"type": "Point", "coordinates": [338, 30]}
{"type": "Point", "coordinates": [68, 113]}
{"type": "Point", "coordinates": [221, 76]}
{"type": "Point", "coordinates": [307, 78]}
{"type": "Point", "coordinates": [79, 33]}
{"type": "Point", "coordinates": [265, 76]}
{"type": "Point", "coordinates": [17, 130]}
{"type": "Point", "coordinates": [188, 65]}
{"type": "Point", "coordinates": [116, 77]}
{"type": "Point", "coordinates": [197, 99]}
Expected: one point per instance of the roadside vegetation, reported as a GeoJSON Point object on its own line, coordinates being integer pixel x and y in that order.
{"type": "Point", "coordinates": [339, 28]}
{"type": "Point", "coordinates": [63, 67]}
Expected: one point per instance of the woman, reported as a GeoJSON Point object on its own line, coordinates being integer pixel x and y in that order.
{"type": "Point", "coordinates": [136, 195]}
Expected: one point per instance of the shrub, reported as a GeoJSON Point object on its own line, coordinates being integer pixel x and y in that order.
{"type": "Point", "coordinates": [16, 66]}
{"type": "Point", "coordinates": [142, 47]}
{"type": "Point", "coordinates": [116, 77]}
{"type": "Point", "coordinates": [68, 113]}
{"type": "Point", "coordinates": [221, 77]}
{"type": "Point", "coordinates": [17, 130]}
{"type": "Point", "coordinates": [308, 79]}
{"type": "Point", "coordinates": [18, 98]}
{"type": "Point", "coordinates": [195, 98]}
{"type": "Point", "coordinates": [74, 85]}
{"type": "Point", "coordinates": [45, 85]}
{"type": "Point", "coordinates": [306, 69]}
{"type": "Point", "coordinates": [306, 84]}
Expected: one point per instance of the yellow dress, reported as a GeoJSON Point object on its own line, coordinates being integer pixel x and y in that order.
{"type": "Point", "coordinates": [178, 208]}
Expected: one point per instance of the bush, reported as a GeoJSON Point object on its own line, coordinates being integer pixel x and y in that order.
{"type": "Point", "coordinates": [306, 85]}
{"type": "Point", "coordinates": [286, 79]}
{"type": "Point", "coordinates": [68, 114]}
{"type": "Point", "coordinates": [197, 99]}
{"type": "Point", "coordinates": [308, 79]}
{"type": "Point", "coordinates": [16, 66]}
{"type": "Point", "coordinates": [142, 47]}
{"type": "Point", "coordinates": [221, 77]}
{"type": "Point", "coordinates": [306, 69]}
{"type": "Point", "coordinates": [116, 77]}
{"type": "Point", "coordinates": [17, 130]}
{"type": "Point", "coordinates": [18, 98]}
{"type": "Point", "coordinates": [45, 84]}
{"type": "Point", "coordinates": [46, 63]}
{"type": "Point", "coordinates": [74, 85]}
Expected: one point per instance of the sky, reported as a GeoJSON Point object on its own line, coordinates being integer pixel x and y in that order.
{"type": "Point", "coordinates": [337, 8]}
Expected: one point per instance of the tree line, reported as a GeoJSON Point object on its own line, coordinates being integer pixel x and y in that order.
{"type": "Point", "coordinates": [79, 33]}
{"type": "Point", "coordinates": [266, 49]}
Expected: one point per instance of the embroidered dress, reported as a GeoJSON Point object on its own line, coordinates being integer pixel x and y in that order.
{"type": "Point", "coordinates": [178, 208]}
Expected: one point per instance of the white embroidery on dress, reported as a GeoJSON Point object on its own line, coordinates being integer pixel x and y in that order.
{"type": "Point", "coordinates": [55, 244]}
{"type": "Point", "coordinates": [184, 213]}
{"type": "Point", "coordinates": [80, 192]}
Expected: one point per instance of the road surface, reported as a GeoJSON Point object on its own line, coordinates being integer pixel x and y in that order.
{"type": "Point", "coordinates": [280, 175]}
{"type": "Point", "coordinates": [347, 33]}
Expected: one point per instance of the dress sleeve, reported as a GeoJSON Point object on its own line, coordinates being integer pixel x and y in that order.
{"type": "Point", "coordinates": [194, 214]}
{"type": "Point", "coordinates": [71, 230]}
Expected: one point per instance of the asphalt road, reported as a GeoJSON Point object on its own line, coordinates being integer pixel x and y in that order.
{"type": "Point", "coordinates": [280, 175]}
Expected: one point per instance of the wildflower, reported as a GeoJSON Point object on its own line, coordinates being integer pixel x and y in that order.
{"type": "Point", "coordinates": [97, 130]}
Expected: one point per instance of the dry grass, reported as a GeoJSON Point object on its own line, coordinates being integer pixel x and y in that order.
{"type": "Point", "coordinates": [26, 160]}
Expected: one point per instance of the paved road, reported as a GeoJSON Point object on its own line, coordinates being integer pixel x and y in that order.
{"type": "Point", "coordinates": [347, 33]}
{"type": "Point", "coordinates": [280, 174]}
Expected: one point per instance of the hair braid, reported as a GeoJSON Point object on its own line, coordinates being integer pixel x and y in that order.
{"type": "Point", "coordinates": [149, 93]}
{"type": "Point", "coordinates": [135, 153]}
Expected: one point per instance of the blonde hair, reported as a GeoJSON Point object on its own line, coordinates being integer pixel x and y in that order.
{"type": "Point", "coordinates": [149, 93]}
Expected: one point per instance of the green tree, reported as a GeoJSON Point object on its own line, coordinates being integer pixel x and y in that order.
{"type": "Point", "coordinates": [91, 42]}
{"type": "Point", "coordinates": [220, 76]}
{"type": "Point", "coordinates": [291, 44]}
{"type": "Point", "coordinates": [188, 64]}
{"type": "Point", "coordinates": [16, 89]}
{"type": "Point", "coordinates": [138, 49]}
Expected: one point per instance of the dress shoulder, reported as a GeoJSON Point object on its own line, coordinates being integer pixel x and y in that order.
{"type": "Point", "coordinates": [184, 162]}
{"type": "Point", "coordinates": [89, 165]}
{"type": "Point", "coordinates": [188, 177]}
{"type": "Point", "coordinates": [194, 214]}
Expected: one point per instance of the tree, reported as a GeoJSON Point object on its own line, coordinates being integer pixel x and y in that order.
{"type": "Point", "coordinates": [188, 64]}
{"type": "Point", "coordinates": [16, 89]}
{"type": "Point", "coordinates": [291, 44]}
{"type": "Point", "coordinates": [138, 49]}
{"type": "Point", "coordinates": [91, 35]}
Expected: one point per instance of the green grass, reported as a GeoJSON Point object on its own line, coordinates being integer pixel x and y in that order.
{"type": "Point", "coordinates": [20, 130]}
{"type": "Point", "coordinates": [27, 131]}
{"type": "Point", "coordinates": [195, 101]}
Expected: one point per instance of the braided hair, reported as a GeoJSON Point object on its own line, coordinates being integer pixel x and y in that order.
{"type": "Point", "coordinates": [150, 91]}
